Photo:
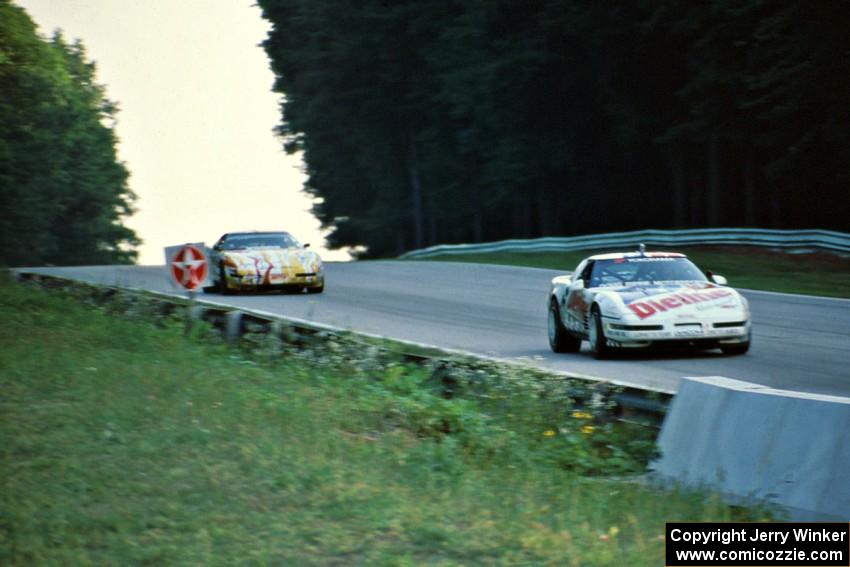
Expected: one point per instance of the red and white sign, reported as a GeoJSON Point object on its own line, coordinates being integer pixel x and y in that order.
{"type": "Point", "coordinates": [187, 265]}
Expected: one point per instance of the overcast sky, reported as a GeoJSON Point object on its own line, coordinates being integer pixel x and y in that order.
{"type": "Point", "coordinates": [196, 116]}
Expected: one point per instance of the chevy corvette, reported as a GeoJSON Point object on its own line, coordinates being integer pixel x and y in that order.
{"type": "Point", "coordinates": [243, 261]}
{"type": "Point", "coordinates": [641, 299]}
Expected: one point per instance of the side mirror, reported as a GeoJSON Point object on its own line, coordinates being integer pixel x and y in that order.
{"type": "Point", "coordinates": [719, 280]}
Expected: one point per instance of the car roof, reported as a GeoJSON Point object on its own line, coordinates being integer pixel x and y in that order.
{"type": "Point", "coordinates": [620, 255]}
{"type": "Point", "coordinates": [254, 232]}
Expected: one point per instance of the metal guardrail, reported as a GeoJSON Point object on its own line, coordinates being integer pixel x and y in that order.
{"type": "Point", "coordinates": [785, 239]}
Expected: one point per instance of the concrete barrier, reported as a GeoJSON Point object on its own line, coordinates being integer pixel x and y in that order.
{"type": "Point", "coordinates": [755, 443]}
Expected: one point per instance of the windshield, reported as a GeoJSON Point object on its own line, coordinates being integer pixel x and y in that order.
{"type": "Point", "coordinates": [267, 240]}
{"type": "Point", "coordinates": [622, 271]}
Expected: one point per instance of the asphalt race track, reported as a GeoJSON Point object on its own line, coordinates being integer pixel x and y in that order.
{"type": "Point", "coordinates": [799, 342]}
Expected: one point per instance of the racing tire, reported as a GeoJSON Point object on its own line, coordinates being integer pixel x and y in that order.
{"type": "Point", "coordinates": [222, 282]}
{"type": "Point", "coordinates": [319, 289]}
{"type": "Point", "coordinates": [596, 335]}
{"type": "Point", "coordinates": [560, 340]}
{"type": "Point", "coordinates": [736, 350]}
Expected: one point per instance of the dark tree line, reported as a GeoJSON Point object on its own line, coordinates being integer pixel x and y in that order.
{"type": "Point", "coordinates": [63, 193]}
{"type": "Point", "coordinates": [472, 120]}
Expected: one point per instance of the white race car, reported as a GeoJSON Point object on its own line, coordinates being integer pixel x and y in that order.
{"type": "Point", "coordinates": [642, 299]}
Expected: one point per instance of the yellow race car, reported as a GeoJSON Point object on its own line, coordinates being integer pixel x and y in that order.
{"type": "Point", "coordinates": [254, 261]}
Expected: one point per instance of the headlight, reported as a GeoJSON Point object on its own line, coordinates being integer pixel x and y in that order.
{"type": "Point", "coordinates": [609, 310]}
{"type": "Point", "coordinates": [611, 314]}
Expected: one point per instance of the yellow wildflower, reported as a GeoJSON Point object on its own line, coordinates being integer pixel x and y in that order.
{"type": "Point", "coordinates": [549, 433]}
{"type": "Point", "coordinates": [587, 429]}
{"type": "Point", "coordinates": [581, 415]}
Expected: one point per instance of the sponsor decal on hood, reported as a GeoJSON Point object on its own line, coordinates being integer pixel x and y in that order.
{"type": "Point", "coordinates": [275, 257]}
{"type": "Point", "coordinates": [662, 299]}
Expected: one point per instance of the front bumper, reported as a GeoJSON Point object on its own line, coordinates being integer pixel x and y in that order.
{"type": "Point", "coordinates": [280, 280]}
{"type": "Point", "coordinates": [704, 333]}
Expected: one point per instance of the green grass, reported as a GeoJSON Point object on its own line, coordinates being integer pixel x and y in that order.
{"type": "Point", "coordinates": [124, 443]}
{"type": "Point", "coordinates": [745, 266]}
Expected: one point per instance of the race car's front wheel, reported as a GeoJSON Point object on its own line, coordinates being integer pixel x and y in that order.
{"type": "Point", "coordinates": [596, 335]}
{"type": "Point", "coordinates": [733, 350]}
{"type": "Point", "coordinates": [222, 282]}
{"type": "Point", "coordinates": [560, 340]}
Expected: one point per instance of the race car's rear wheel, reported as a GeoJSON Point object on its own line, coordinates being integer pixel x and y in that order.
{"type": "Point", "coordinates": [596, 335]}
{"type": "Point", "coordinates": [319, 289]}
{"type": "Point", "coordinates": [560, 340]}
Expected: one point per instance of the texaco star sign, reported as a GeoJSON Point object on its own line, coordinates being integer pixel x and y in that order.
{"type": "Point", "coordinates": [189, 267]}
